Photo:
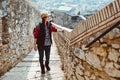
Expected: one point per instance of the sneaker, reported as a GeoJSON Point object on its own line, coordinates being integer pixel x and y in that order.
{"type": "Point", "coordinates": [48, 68]}
{"type": "Point", "coordinates": [43, 72]}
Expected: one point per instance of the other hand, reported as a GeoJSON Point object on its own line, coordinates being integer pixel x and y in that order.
{"type": "Point", "coordinates": [35, 47]}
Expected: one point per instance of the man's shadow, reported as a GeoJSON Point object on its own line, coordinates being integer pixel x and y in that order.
{"type": "Point", "coordinates": [47, 76]}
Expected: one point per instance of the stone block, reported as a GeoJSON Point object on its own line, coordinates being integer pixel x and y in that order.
{"type": "Point", "coordinates": [87, 73]}
{"type": "Point", "coordinates": [117, 66]}
{"type": "Point", "coordinates": [79, 77]}
{"type": "Point", "coordinates": [79, 53]}
{"type": "Point", "coordinates": [116, 46]}
{"type": "Point", "coordinates": [82, 55]}
{"type": "Point", "coordinates": [113, 55]}
{"type": "Point", "coordinates": [111, 35]}
{"type": "Point", "coordinates": [109, 65]}
{"type": "Point", "coordinates": [112, 72]}
{"type": "Point", "coordinates": [73, 78]}
{"type": "Point", "coordinates": [86, 78]}
{"type": "Point", "coordinates": [103, 62]}
{"type": "Point", "coordinates": [116, 30]}
{"type": "Point", "coordinates": [93, 60]}
{"type": "Point", "coordinates": [93, 77]}
{"type": "Point", "coordinates": [78, 71]}
{"type": "Point", "coordinates": [101, 51]}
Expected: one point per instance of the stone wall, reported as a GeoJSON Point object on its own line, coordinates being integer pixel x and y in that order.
{"type": "Point", "coordinates": [17, 20]}
{"type": "Point", "coordinates": [0, 32]}
{"type": "Point", "coordinates": [101, 61]}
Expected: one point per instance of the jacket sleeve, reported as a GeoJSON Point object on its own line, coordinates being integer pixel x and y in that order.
{"type": "Point", "coordinates": [35, 32]}
{"type": "Point", "coordinates": [53, 28]}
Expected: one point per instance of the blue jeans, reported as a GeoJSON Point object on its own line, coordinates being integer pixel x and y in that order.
{"type": "Point", "coordinates": [41, 55]}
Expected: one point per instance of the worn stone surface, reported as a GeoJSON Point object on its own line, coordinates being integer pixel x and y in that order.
{"type": "Point", "coordinates": [17, 20]}
{"type": "Point", "coordinates": [29, 69]}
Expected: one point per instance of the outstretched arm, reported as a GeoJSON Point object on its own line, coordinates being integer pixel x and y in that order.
{"type": "Point", "coordinates": [56, 30]}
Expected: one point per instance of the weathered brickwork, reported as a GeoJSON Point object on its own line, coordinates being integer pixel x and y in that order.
{"type": "Point", "coordinates": [17, 20]}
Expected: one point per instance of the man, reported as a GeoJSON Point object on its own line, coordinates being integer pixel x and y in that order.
{"type": "Point", "coordinates": [43, 40]}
